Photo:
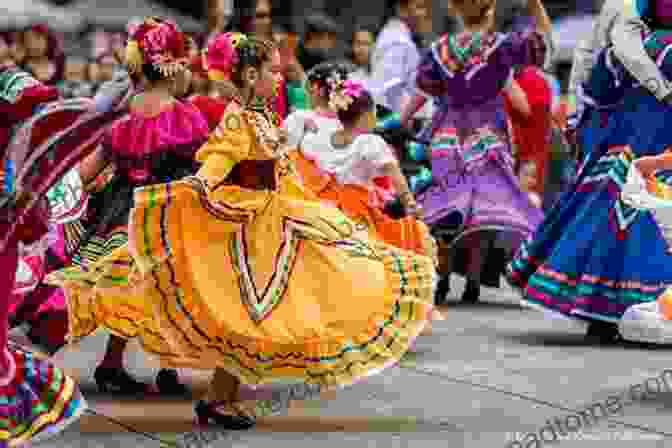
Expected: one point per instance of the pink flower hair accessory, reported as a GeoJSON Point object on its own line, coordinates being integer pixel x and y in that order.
{"type": "Point", "coordinates": [159, 42]}
{"type": "Point", "coordinates": [344, 93]}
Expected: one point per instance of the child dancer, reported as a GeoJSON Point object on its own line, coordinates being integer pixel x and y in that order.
{"type": "Point", "coordinates": [353, 169]}
{"type": "Point", "coordinates": [227, 266]}
{"type": "Point", "coordinates": [474, 192]}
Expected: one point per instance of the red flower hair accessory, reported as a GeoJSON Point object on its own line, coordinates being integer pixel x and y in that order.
{"type": "Point", "coordinates": [160, 43]}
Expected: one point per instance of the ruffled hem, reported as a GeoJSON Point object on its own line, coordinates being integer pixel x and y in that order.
{"type": "Point", "coordinates": [39, 403]}
{"type": "Point", "coordinates": [175, 323]}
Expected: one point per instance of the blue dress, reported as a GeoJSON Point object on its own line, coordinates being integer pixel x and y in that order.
{"type": "Point", "coordinates": [593, 256]}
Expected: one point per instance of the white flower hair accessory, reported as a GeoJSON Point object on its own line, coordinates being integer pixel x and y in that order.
{"type": "Point", "coordinates": [344, 93]}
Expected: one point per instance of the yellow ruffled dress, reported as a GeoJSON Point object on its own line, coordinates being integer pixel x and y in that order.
{"type": "Point", "coordinates": [270, 285]}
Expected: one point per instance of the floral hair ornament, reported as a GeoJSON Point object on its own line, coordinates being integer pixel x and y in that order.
{"type": "Point", "coordinates": [160, 43]}
{"type": "Point", "coordinates": [344, 93]}
{"type": "Point", "coordinates": [221, 56]}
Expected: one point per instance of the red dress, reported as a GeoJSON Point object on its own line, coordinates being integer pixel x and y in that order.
{"type": "Point", "coordinates": [532, 134]}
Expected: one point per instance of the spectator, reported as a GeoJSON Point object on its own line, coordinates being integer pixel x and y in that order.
{"type": "Point", "coordinates": [396, 53]}
{"type": "Point", "coordinates": [255, 17]}
{"type": "Point", "coordinates": [76, 82]}
{"type": "Point", "coordinates": [531, 128]}
{"type": "Point", "coordinates": [5, 50]}
{"type": "Point", "coordinates": [319, 43]}
{"type": "Point", "coordinates": [200, 84]}
{"type": "Point", "coordinates": [360, 52]}
{"type": "Point", "coordinates": [45, 59]}
{"type": "Point", "coordinates": [17, 48]}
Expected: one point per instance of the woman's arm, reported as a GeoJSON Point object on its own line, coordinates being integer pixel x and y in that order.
{"type": "Point", "coordinates": [626, 36]}
{"type": "Point", "coordinates": [518, 99]}
{"type": "Point", "coordinates": [538, 12]}
{"type": "Point", "coordinates": [393, 171]}
{"type": "Point", "coordinates": [411, 108]}
{"type": "Point", "coordinates": [649, 165]}
{"type": "Point", "coordinates": [92, 167]}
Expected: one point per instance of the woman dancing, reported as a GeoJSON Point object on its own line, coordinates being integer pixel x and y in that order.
{"type": "Point", "coordinates": [37, 399]}
{"type": "Point", "coordinates": [586, 260]}
{"type": "Point", "coordinates": [154, 142]}
{"type": "Point", "coordinates": [236, 276]}
{"type": "Point", "coordinates": [474, 192]}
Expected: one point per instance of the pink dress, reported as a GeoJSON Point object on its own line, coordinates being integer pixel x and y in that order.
{"type": "Point", "coordinates": [37, 399]}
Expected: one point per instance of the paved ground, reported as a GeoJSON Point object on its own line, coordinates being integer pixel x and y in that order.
{"type": "Point", "coordinates": [488, 372]}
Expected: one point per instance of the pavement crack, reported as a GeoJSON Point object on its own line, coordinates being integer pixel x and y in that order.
{"type": "Point", "coordinates": [531, 399]}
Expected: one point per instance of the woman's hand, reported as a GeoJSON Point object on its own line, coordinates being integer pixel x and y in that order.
{"type": "Point", "coordinates": [649, 165]}
{"type": "Point", "coordinates": [412, 208]}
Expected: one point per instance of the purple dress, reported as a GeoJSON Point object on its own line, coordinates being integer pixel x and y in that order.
{"type": "Point", "coordinates": [474, 187]}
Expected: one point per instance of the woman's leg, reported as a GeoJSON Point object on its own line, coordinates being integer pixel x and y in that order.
{"type": "Point", "coordinates": [477, 248]}
{"type": "Point", "coordinates": [111, 376]}
{"type": "Point", "coordinates": [222, 405]}
{"type": "Point", "coordinates": [445, 269]}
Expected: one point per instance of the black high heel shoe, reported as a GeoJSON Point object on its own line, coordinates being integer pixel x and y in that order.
{"type": "Point", "coordinates": [207, 414]}
{"type": "Point", "coordinates": [442, 290]}
{"type": "Point", "coordinates": [118, 381]}
{"type": "Point", "coordinates": [472, 292]}
{"type": "Point", "coordinates": [168, 383]}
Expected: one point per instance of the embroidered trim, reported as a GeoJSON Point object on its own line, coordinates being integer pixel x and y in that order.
{"type": "Point", "coordinates": [260, 305]}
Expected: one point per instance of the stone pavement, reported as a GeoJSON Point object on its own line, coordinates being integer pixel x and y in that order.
{"type": "Point", "coordinates": [487, 374]}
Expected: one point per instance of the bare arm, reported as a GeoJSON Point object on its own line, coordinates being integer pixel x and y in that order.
{"type": "Point", "coordinates": [411, 108]}
{"type": "Point", "coordinates": [538, 12]}
{"type": "Point", "coordinates": [581, 64]}
{"type": "Point", "coordinates": [518, 99]}
{"type": "Point", "coordinates": [92, 167]}
{"type": "Point", "coordinates": [626, 36]}
{"type": "Point", "coordinates": [393, 171]}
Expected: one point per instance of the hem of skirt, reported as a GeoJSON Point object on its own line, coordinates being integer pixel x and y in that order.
{"type": "Point", "coordinates": [409, 314]}
{"type": "Point", "coordinates": [52, 422]}
{"type": "Point", "coordinates": [459, 235]}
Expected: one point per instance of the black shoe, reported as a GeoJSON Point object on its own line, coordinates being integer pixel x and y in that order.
{"type": "Point", "coordinates": [207, 414]}
{"type": "Point", "coordinates": [472, 292]}
{"type": "Point", "coordinates": [168, 383]}
{"type": "Point", "coordinates": [602, 333]}
{"type": "Point", "coordinates": [442, 290]}
{"type": "Point", "coordinates": [118, 381]}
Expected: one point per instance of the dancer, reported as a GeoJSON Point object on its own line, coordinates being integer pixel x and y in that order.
{"type": "Point", "coordinates": [474, 191]}
{"type": "Point", "coordinates": [586, 260]}
{"type": "Point", "coordinates": [321, 116]}
{"type": "Point", "coordinates": [205, 246]}
{"type": "Point", "coordinates": [38, 399]}
{"type": "Point", "coordinates": [621, 26]}
{"type": "Point", "coordinates": [650, 322]}
{"type": "Point", "coordinates": [153, 143]}
{"type": "Point", "coordinates": [351, 169]}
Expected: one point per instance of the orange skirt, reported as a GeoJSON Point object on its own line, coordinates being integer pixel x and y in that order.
{"type": "Point", "coordinates": [353, 200]}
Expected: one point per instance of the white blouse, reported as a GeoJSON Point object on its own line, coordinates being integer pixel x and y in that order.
{"type": "Point", "coordinates": [296, 125]}
{"type": "Point", "coordinates": [358, 163]}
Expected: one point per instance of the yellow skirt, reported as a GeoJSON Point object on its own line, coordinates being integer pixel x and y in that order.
{"type": "Point", "coordinates": [268, 286]}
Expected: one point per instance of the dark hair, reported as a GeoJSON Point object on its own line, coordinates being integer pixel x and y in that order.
{"type": "Point", "coordinates": [151, 73]}
{"type": "Point", "coordinates": [245, 12]}
{"type": "Point", "coordinates": [362, 104]}
{"type": "Point", "coordinates": [360, 29]}
{"type": "Point", "coordinates": [242, 19]}
{"type": "Point", "coordinates": [321, 73]}
{"type": "Point", "coordinates": [392, 9]}
{"type": "Point", "coordinates": [320, 23]}
{"type": "Point", "coordinates": [253, 52]}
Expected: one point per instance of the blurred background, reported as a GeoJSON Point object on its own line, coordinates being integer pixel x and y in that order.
{"type": "Point", "coordinates": [86, 32]}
